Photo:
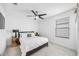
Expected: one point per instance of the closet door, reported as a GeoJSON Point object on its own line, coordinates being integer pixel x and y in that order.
{"type": "Point", "coordinates": [2, 21]}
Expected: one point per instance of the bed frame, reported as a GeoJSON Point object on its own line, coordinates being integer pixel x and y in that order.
{"type": "Point", "coordinates": [36, 49]}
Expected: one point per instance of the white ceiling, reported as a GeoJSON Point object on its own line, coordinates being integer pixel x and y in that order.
{"type": "Point", "coordinates": [49, 8]}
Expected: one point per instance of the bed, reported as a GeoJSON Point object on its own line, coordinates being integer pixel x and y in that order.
{"type": "Point", "coordinates": [30, 45]}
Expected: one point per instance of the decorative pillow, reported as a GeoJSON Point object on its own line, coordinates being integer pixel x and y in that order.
{"type": "Point", "coordinates": [33, 34]}
{"type": "Point", "coordinates": [25, 35]}
{"type": "Point", "coordinates": [29, 35]}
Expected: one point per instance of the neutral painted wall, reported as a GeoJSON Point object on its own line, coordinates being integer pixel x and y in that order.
{"type": "Point", "coordinates": [18, 20]}
{"type": "Point", "coordinates": [47, 29]}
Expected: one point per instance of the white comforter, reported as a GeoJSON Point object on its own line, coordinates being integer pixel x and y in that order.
{"type": "Point", "coordinates": [30, 43]}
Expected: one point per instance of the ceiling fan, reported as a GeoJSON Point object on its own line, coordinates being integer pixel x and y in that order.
{"type": "Point", "coordinates": [36, 15]}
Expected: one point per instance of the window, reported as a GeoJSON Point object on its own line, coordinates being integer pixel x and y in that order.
{"type": "Point", "coordinates": [62, 27]}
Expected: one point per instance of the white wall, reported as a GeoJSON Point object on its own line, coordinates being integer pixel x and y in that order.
{"type": "Point", "coordinates": [47, 29]}
{"type": "Point", "coordinates": [18, 20]}
{"type": "Point", "coordinates": [2, 10]}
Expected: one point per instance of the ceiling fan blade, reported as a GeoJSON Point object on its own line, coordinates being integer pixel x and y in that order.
{"type": "Point", "coordinates": [30, 16]}
{"type": "Point", "coordinates": [41, 17]}
{"type": "Point", "coordinates": [34, 13]}
{"type": "Point", "coordinates": [15, 3]}
{"type": "Point", "coordinates": [42, 14]}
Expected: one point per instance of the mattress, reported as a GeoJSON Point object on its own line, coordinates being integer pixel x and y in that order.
{"type": "Point", "coordinates": [31, 43]}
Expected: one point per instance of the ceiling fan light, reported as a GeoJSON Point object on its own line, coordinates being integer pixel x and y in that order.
{"type": "Point", "coordinates": [36, 17]}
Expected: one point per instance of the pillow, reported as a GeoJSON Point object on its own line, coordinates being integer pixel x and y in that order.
{"type": "Point", "coordinates": [29, 35]}
{"type": "Point", "coordinates": [23, 35]}
{"type": "Point", "coordinates": [33, 34]}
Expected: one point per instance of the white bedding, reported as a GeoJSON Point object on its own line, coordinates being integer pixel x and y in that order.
{"type": "Point", "coordinates": [31, 43]}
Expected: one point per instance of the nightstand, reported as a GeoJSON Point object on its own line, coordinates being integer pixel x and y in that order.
{"type": "Point", "coordinates": [14, 43]}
